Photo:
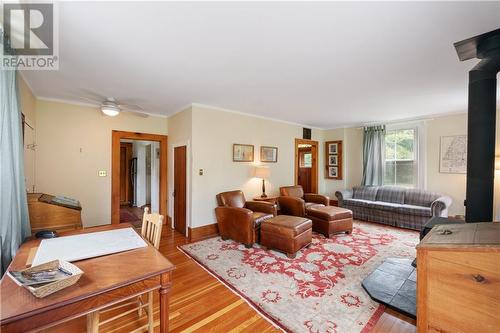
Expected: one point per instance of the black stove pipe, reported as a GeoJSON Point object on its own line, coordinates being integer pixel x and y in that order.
{"type": "Point", "coordinates": [481, 132]}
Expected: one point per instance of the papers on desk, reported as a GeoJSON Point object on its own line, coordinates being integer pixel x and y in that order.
{"type": "Point", "coordinates": [84, 246]}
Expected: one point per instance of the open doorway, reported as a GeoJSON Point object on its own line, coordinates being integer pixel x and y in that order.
{"type": "Point", "coordinates": [139, 179]}
{"type": "Point", "coordinates": [139, 176]}
{"type": "Point", "coordinates": [306, 165]}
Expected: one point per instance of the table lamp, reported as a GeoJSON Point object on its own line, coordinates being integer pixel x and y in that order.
{"type": "Point", "coordinates": [264, 173]}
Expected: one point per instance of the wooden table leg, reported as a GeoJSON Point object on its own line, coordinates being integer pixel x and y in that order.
{"type": "Point", "coordinates": [164, 290]}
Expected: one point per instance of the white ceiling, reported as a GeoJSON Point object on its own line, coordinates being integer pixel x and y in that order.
{"type": "Point", "coordinates": [320, 64]}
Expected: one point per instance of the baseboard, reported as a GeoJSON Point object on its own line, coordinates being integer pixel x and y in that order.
{"type": "Point", "coordinates": [206, 231]}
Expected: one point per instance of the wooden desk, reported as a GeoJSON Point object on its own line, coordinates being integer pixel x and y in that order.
{"type": "Point", "coordinates": [107, 280]}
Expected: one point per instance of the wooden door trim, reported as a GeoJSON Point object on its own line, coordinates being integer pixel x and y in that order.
{"type": "Point", "coordinates": [116, 136]}
{"type": "Point", "coordinates": [188, 184]}
{"type": "Point", "coordinates": [314, 169]}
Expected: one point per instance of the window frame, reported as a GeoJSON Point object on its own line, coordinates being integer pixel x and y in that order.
{"type": "Point", "coordinates": [418, 150]}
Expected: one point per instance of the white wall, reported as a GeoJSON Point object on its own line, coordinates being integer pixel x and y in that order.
{"type": "Point", "coordinates": [141, 179]}
{"type": "Point", "coordinates": [213, 134]}
{"type": "Point", "coordinates": [155, 178]}
{"type": "Point", "coordinates": [74, 143]}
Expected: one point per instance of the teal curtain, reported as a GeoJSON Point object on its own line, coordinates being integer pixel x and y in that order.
{"type": "Point", "coordinates": [373, 155]}
{"type": "Point", "coordinates": [14, 218]}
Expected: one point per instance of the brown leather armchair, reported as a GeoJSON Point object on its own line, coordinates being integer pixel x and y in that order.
{"type": "Point", "coordinates": [239, 219]}
{"type": "Point", "coordinates": [293, 201]}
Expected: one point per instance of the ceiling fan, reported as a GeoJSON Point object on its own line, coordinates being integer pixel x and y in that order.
{"type": "Point", "coordinates": [111, 107]}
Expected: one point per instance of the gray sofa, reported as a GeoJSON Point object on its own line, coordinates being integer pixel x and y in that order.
{"type": "Point", "coordinates": [393, 205]}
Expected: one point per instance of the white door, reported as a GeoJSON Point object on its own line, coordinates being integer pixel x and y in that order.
{"type": "Point", "coordinates": [29, 157]}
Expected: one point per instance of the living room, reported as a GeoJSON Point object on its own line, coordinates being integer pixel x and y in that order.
{"type": "Point", "coordinates": [235, 95]}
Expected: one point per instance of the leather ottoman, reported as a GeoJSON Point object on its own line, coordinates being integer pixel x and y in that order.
{"type": "Point", "coordinates": [329, 220]}
{"type": "Point", "coordinates": [285, 233]}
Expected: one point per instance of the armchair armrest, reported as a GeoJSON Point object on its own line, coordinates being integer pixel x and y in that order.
{"type": "Point", "coordinates": [343, 194]}
{"type": "Point", "coordinates": [292, 206]}
{"type": "Point", "coordinates": [262, 206]}
{"type": "Point", "coordinates": [439, 207]}
{"type": "Point", "coordinates": [317, 198]}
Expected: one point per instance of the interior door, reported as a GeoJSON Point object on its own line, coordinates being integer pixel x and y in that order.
{"type": "Point", "coordinates": [180, 189]}
{"type": "Point", "coordinates": [305, 170]}
{"type": "Point", "coordinates": [126, 189]}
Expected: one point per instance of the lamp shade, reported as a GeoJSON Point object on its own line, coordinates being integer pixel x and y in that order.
{"type": "Point", "coordinates": [262, 172]}
{"type": "Point", "coordinates": [497, 162]}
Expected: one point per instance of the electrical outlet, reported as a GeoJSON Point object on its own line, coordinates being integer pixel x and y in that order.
{"type": "Point", "coordinates": [200, 172]}
{"type": "Point", "coordinates": [102, 173]}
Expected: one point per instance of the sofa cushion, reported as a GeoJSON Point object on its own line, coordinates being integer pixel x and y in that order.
{"type": "Point", "coordinates": [418, 197]}
{"type": "Point", "coordinates": [392, 194]}
{"type": "Point", "coordinates": [357, 202]}
{"type": "Point", "coordinates": [381, 205]}
{"type": "Point", "coordinates": [365, 192]}
{"type": "Point", "coordinates": [415, 210]}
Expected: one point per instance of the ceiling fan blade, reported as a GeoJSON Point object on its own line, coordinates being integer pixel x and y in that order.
{"type": "Point", "coordinates": [93, 95]}
{"type": "Point", "coordinates": [136, 113]}
{"type": "Point", "coordinates": [131, 107]}
{"type": "Point", "coordinates": [93, 101]}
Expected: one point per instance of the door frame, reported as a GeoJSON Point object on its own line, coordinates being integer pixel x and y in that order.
{"type": "Point", "coordinates": [116, 136]}
{"type": "Point", "coordinates": [188, 184]}
{"type": "Point", "coordinates": [315, 162]}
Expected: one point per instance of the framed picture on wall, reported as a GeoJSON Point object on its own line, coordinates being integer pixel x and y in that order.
{"type": "Point", "coordinates": [333, 172]}
{"type": "Point", "coordinates": [453, 154]}
{"type": "Point", "coordinates": [333, 147]}
{"type": "Point", "coordinates": [242, 153]}
{"type": "Point", "coordinates": [268, 154]}
{"type": "Point", "coordinates": [333, 160]}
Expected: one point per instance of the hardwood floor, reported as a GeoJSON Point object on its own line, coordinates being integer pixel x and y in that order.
{"type": "Point", "coordinates": [200, 303]}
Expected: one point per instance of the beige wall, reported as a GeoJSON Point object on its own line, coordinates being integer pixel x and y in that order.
{"type": "Point", "coordinates": [213, 134]}
{"type": "Point", "coordinates": [445, 183]}
{"type": "Point", "coordinates": [28, 101]}
{"type": "Point", "coordinates": [74, 143]}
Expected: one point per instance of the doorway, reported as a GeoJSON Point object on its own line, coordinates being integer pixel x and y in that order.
{"type": "Point", "coordinates": [180, 183]}
{"type": "Point", "coordinates": [306, 165]}
{"type": "Point", "coordinates": [138, 176]}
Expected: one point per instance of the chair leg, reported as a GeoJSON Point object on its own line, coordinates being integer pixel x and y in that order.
{"type": "Point", "coordinates": [93, 322]}
{"type": "Point", "coordinates": [139, 302]}
{"type": "Point", "coordinates": [248, 246]}
{"type": "Point", "coordinates": [150, 313]}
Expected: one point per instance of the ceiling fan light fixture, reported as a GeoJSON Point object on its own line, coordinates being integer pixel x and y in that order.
{"type": "Point", "coordinates": [110, 110]}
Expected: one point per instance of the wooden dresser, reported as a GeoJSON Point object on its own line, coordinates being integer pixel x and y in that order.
{"type": "Point", "coordinates": [46, 214]}
{"type": "Point", "coordinates": [458, 279]}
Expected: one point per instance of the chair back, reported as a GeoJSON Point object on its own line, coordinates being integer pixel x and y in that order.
{"type": "Point", "coordinates": [151, 227]}
{"type": "Point", "coordinates": [231, 199]}
{"type": "Point", "coordinates": [292, 191]}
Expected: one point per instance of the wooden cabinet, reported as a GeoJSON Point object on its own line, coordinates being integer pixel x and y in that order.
{"type": "Point", "coordinates": [458, 279]}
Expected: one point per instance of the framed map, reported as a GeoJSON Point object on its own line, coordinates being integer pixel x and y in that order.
{"type": "Point", "coordinates": [453, 154]}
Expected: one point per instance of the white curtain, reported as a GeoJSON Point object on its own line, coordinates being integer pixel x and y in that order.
{"type": "Point", "coordinates": [14, 218]}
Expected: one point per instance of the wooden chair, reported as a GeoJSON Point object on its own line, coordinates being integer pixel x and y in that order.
{"type": "Point", "coordinates": [151, 230]}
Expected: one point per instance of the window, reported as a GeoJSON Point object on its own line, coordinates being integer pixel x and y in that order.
{"type": "Point", "coordinates": [401, 162]}
{"type": "Point", "coordinates": [306, 160]}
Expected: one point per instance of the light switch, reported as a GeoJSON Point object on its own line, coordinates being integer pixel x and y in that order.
{"type": "Point", "coordinates": [102, 173]}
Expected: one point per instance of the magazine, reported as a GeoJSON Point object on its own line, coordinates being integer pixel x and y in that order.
{"type": "Point", "coordinates": [40, 277]}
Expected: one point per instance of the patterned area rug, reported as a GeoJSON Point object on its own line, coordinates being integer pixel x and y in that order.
{"type": "Point", "coordinates": [320, 290]}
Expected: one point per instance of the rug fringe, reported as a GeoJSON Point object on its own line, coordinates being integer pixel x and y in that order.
{"type": "Point", "coordinates": [236, 292]}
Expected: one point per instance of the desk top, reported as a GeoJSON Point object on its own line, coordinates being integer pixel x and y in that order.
{"type": "Point", "coordinates": [101, 274]}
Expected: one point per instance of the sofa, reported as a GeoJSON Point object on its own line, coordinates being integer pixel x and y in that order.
{"type": "Point", "coordinates": [393, 205]}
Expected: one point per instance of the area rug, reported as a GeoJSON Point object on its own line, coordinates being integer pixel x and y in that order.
{"type": "Point", "coordinates": [126, 216]}
{"type": "Point", "coordinates": [320, 290]}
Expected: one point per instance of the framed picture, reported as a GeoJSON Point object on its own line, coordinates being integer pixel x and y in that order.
{"type": "Point", "coordinates": [333, 160]}
{"type": "Point", "coordinates": [268, 154]}
{"type": "Point", "coordinates": [453, 154]}
{"type": "Point", "coordinates": [333, 172]}
{"type": "Point", "coordinates": [242, 153]}
{"type": "Point", "coordinates": [333, 148]}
